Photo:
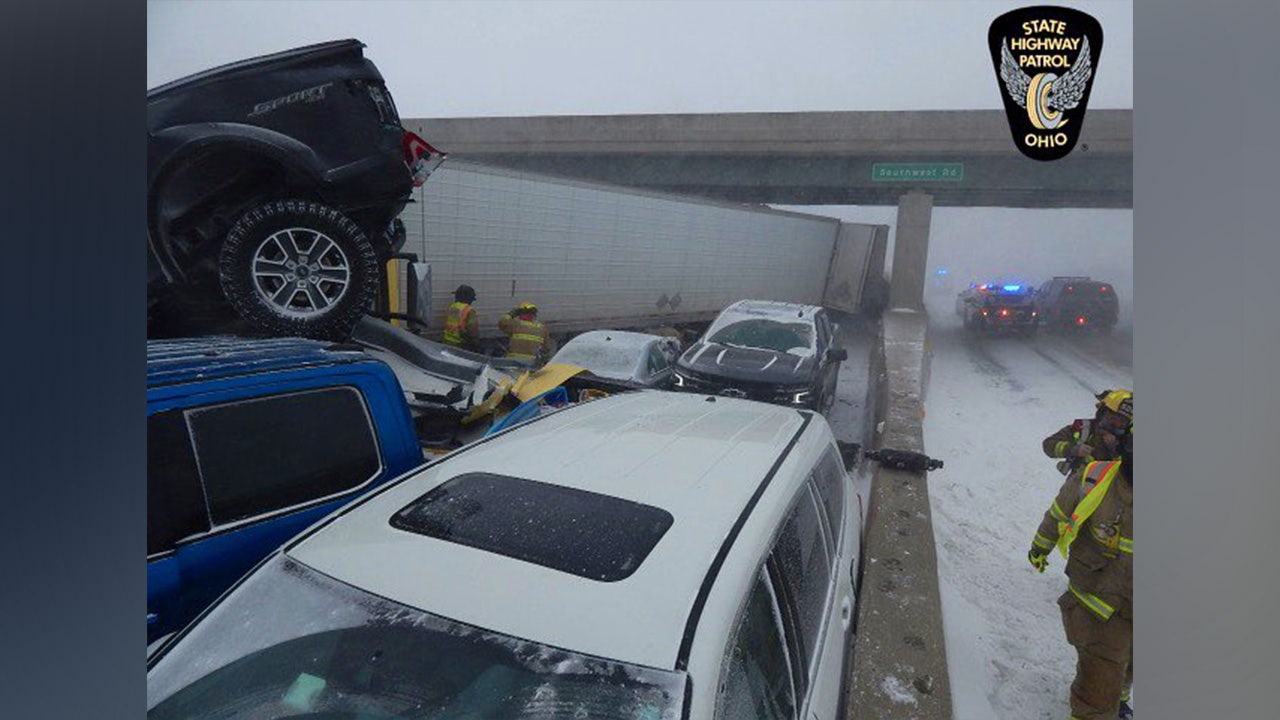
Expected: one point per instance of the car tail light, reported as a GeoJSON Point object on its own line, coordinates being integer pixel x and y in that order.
{"type": "Point", "coordinates": [986, 313]}
{"type": "Point", "coordinates": [1004, 313]}
{"type": "Point", "coordinates": [421, 157]}
{"type": "Point", "coordinates": [1080, 320]}
{"type": "Point", "coordinates": [1070, 289]}
{"type": "Point", "coordinates": [1102, 289]}
{"type": "Point", "coordinates": [1034, 313]}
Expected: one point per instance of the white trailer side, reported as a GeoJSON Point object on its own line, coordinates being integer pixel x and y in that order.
{"type": "Point", "coordinates": [595, 256]}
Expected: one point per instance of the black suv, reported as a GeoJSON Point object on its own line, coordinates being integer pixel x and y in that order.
{"type": "Point", "coordinates": [275, 183]}
{"type": "Point", "coordinates": [776, 352]}
{"type": "Point", "coordinates": [1077, 302]}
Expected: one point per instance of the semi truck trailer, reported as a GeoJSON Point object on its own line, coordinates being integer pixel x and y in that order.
{"type": "Point", "coordinates": [592, 255]}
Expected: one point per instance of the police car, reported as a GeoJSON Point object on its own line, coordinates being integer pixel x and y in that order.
{"type": "Point", "coordinates": [998, 308]}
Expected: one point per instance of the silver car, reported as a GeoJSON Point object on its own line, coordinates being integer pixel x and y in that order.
{"type": "Point", "coordinates": [637, 358]}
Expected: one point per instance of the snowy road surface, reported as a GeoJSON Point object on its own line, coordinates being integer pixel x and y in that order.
{"type": "Point", "coordinates": [990, 403]}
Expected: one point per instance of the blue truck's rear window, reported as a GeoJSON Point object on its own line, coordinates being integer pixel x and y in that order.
{"type": "Point", "coordinates": [595, 536]}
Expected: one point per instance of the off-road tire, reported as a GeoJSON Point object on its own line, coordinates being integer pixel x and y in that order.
{"type": "Point", "coordinates": [248, 238]}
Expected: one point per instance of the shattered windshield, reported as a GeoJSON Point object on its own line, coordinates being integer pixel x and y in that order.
{"type": "Point", "coordinates": [795, 338]}
{"type": "Point", "coordinates": [292, 643]}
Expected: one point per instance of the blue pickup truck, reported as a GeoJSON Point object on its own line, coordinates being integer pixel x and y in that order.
{"type": "Point", "coordinates": [250, 441]}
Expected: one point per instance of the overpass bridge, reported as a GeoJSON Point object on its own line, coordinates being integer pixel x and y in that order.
{"type": "Point", "coordinates": [912, 159]}
{"type": "Point", "coordinates": [816, 158]}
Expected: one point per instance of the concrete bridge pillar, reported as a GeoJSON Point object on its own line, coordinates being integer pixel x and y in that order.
{"type": "Point", "coordinates": [910, 250]}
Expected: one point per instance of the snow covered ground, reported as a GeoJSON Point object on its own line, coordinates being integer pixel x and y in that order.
{"type": "Point", "coordinates": [990, 403]}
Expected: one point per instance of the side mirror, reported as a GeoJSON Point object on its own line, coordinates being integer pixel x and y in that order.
{"type": "Point", "coordinates": [837, 354]}
{"type": "Point", "coordinates": [407, 291]}
{"type": "Point", "coordinates": [420, 292]}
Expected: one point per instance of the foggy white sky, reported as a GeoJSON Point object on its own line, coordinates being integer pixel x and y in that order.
{"type": "Point", "coordinates": [1014, 245]}
{"type": "Point", "coordinates": [461, 59]}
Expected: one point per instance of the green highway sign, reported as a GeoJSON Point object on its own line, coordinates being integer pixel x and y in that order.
{"type": "Point", "coordinates": [917, 172]}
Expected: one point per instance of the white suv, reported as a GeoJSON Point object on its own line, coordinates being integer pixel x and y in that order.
{"type": "Point", "coordinates": [648, 555]}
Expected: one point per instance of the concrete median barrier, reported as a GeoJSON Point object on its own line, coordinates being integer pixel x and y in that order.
{"type": "Point", "coordinates": [899, 668]}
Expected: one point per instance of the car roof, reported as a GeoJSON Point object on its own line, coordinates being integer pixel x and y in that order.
{"type": "Point", "coordinates": [616, 338]}
{"type": "Point", "coordinates": [1061, 281]}
{"type": "Point", "coordinates": [182, 360]}
{"type": "Point", "coordinates": [581, 349]}
{"type": "Point", "coordinates": [700, 459]}
{"type": "Point", "coordinates": [770, 309]}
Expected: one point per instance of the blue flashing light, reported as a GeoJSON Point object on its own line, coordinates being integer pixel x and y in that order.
{"type": "Point", "coordinates": [1012, 288]}
{"type": "Point", "coordinates": [942, 271]}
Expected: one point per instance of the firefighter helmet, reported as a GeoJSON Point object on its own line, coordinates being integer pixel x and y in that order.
{"type": "Point", "coordinates": [526, 307]}
{"type": "Point", "coordinates": [465, 293]}
{"type": "Point", "coordinates": [1118, 401]}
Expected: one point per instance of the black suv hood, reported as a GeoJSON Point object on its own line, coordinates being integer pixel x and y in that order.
{"type": "Point", "coordinates": [713, 360]}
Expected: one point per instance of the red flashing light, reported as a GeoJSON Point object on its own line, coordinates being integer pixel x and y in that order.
{"type": "Point", "coordinates": [1102, 289]}
{"type": "Point", "coordinates": [1080, 320]}
{"type": "Point", "coordinates": [1004, 313]}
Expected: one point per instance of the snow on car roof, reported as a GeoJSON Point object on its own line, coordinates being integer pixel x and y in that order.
{"type": "Point", "coordinates": [698, 459]}
{"type": "Point", "coordinates": [181, 360]}
{"type": "Point", "coordinates": [621, 338]}
{"type": "Point", "coordinates": [772, 309]}
{"type": "Point", "coordinates": [614, 354]}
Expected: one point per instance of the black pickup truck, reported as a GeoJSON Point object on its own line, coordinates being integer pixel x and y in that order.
{"type": "Point", "coordinates": [274, 186]}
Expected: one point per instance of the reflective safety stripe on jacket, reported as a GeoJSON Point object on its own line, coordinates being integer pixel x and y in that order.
{"type": "Point", "coordinates": [526, 339]}
{"type": "Point", "coordinates": [1096, 605]}
{"type": "Point", "coordinates": [455, 323]}
{"type": "Point", "coordinates": [1096, 482]}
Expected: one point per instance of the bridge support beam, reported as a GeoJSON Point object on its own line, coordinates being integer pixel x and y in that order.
{"type": "Point", "coordinates": [910, 251]}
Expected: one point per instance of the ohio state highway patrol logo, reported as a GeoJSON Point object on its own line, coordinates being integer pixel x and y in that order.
{"type": "Point", "coordinates": [1045, 59]}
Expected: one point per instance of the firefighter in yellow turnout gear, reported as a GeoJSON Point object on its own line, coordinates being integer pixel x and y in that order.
{"type": "Point", "coordinates": [527, 336]}
{"type": "Point", "coordinates": [1091, 524]}
{"type": "Point", "coordinates": [461, 328]}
